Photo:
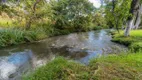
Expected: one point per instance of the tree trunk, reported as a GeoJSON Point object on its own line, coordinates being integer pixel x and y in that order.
{"type": "Point", "coordinates": [128, 28]}
{"type": "Point", "coordinates": [28, 24]}
{"type": "Point", "coordinates": [138, 18]}
{"type": "Point", "coordinates": [133, 11]}
{"type": "Point", "coordinates": [34, 7]}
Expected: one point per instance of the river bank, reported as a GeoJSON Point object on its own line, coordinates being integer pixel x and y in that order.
{"type": "Point", "coordinates": [134, 41]}
{"type": "Point", "coordinates": [13, 36]}
{"type": "Point", "coordinates": [126, 66]}
{"type": "Point", "coordinates": [17, 36]}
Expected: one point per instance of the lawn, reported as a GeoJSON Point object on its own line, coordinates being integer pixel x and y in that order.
{"type": "Point", "coordinates": [134, 41]}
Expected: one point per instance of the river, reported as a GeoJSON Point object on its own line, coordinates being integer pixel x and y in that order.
{"type": "Point", "coordinates": [18, 60]}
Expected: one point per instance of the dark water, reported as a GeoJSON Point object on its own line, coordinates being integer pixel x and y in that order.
{"type": "Point", "coordinates": [18, 60]}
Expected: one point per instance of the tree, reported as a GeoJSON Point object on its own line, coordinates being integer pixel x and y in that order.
{"type": "Point", "coordinates": [99, 19]}
{"type": "Point", "coordinates": [138, 17]}
{"type": "Point", "coordinates": [27, 10]}
{"type": "Point", "coordinates": [32, 14]}
{"type": "Point", "coordinates": [117, 12]}
{"type": "Point", "coordinates": [130, 21]}
{"type": "Point", "coordinates": [72, 14]}
{"type": "Point", "coordinates": [122, 14]}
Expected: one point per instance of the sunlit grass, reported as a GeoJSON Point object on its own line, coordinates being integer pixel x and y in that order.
{"type": "Point", "coordinates": [134, 41]}
{"type": "Point", "coordinates": [6, 23]}
{"type": "Point", "coordinates": [133, 33]}
{"type": "Point", "coordinates": [136, 33]}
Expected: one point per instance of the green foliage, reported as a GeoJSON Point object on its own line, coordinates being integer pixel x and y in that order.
{"type": "Point", "coordinates": [56, 17]}
{"type": "Point", "coordinates": [117, 13]}
{"type": "Point", "coordinates": [99, 21]}
{"type": "Point", "coordinates": [72, 14]}
{"type": "Point", "coordinates": [5, 8]}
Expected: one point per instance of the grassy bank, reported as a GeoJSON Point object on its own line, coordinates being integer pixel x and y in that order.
{"type": "Point", "coordinates": [15, 36]}
{"type": "Point", "coordinates": [134, 41]}
{"type": "Point", "coordinates": [12, 36]}
{"type": "Point", "coordinates": [60, 69]}
{"type": "Point", "coordinates": [14, 32]}
{"type": "Point", "coordinates": [18, 35]}
{"type": "Point", "coordinates": [119, 67]}
{"type": "Point", "coordinates": [113, 67]}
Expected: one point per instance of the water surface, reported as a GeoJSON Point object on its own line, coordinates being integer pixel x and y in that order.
{"type": "Point", "coordinates": [17, 60]}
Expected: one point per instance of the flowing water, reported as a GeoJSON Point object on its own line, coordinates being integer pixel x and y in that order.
{"type": "Point", "coordinates": [18, 60]}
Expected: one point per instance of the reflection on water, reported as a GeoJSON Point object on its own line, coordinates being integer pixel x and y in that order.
{"type": "Point", "coordinates": [16, 60]}
{"type": "Point", "coordinates": [14, 65]}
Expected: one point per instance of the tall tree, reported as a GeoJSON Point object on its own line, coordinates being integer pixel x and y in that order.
{"type": "Point", "coordinates": [133, 10]}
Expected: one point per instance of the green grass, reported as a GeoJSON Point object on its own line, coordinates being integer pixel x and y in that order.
{"type": "Point", "coordinates": [60, 69]}
{"type": "Point", "coordinates": [11, 36]}
{"type": "Point", "coordinates": [134, 41]}
{"type": "Point", "coordinates": [112, 67]}
{"type": "Point", "coordinates": [118, 67]}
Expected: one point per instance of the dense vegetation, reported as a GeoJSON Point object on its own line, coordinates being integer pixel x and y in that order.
{"type": "Point", "coordinates": [122, 16]}
{"type": "Point", "coordinates": [16, 36]}
{"type": "Point", "coordinates": [32, 18]}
